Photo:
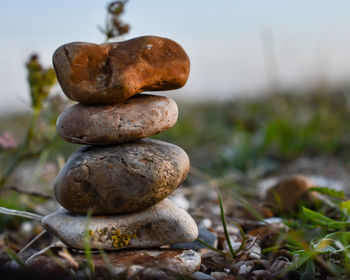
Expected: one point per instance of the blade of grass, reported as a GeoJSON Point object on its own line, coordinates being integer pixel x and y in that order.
{"type": "Point", "coordinates": [278, 200]}
{"type": "Point", "coordinates": [210, 247]}
{"type": "Point", "coordinates": [107, 262]}
{"type": "Point", "coordinates": [64, 253]}
{"type": "Point", "coordinates": [59, 262]}
{"type": "Point", "coordinates": [310, 271]}
{"type": "Point", "coordinates": [31, 242]}
{"type": "Point", "coordinates": [227, 236]}
{"type": "Point", "coordinates": [339, 225]}
{"type": "Point", "coordinates": [14, 257]}
{"type": "Point", "coordinates": [243, 237]}
{"type": "Point", "coordinates": [251, 210]}
{"type": "Point", "coordinates": [87, 247]}
{"type": "Point", "coordinates": [346, 253]}
{"type": "Point", "coordinates": [40, 163]}
{"type": "Point", "coordinates": [322, 220]}
{"type": "Point", "coordinates": [328, 191]}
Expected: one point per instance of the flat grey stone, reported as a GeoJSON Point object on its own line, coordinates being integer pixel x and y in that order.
{"type": "Point", "coordinates": [162, 224]}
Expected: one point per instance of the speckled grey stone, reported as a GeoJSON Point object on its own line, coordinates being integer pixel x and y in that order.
{"type": "Point", "coordinates": [138, 117]}
{"type": "Point", "coordinates": [164, 223]}
{"type": "Point", "coordinates": [124, 178]}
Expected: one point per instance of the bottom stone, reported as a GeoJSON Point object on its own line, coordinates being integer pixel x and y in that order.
{"type": "Point", "coordinates": [154, 263]}
{"type": "Point", "coordinates": [162, 224]}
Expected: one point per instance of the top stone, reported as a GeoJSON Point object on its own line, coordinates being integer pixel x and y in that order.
{"type": "Point", "coordinates": [111, 73]}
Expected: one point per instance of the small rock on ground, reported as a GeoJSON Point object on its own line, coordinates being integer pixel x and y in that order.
{"type": "Point", "coordinates": [202, 276]}
{"type": "Point", "coordinates": [145, 262]}
{"type": "Point", "coordinates": [288, 193]}
{"type": "Point", "coordinates": [205, 235]}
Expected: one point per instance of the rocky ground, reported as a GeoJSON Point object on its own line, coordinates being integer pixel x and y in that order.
{"type": "Point", "coordinates": [254, 259]}
{"type": "Point", "coordinates": [240, 149]}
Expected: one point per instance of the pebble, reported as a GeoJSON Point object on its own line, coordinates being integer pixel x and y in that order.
{"type": "Point", "coordinates": [26, 229]}
{"type": "Point", "coordinates": [113, 72]}
{"type": "Point", "coordinates": [279, 264]}
{"type": "Point", "coordinates": [138, 117]}
{"type": "Point", "coordinates": [214, 261]}
{"type": "Point", "coordinates": [255, 252]}
{"type": "Point", "coordinates": [180, 200]}
{"type": "Point", "coordinates": [233, 230]}
{"type": "Point", "coordinates": [120, 178]}
{"type": "Point", "coordinates": [207, 223]}
{"type": "Point", "coordinates": [251, 251]}
{"type": "Point", "coordinates": [162, 224]}
{"type": "Point", "coordinates": [202, 276]}
{"type": "Point", "coordinates": [235, 243]}
{"type": "Point", "coordinates": [288, 193]}
{"type": "Point", "coordinates": [262, 275]}
{"type": "Point", "coordinates": [203, 234]}
{"type": "Point", "coordinates": [151, 262]}
{"type": "Point", "coordinates": [218, 275]}
{"type": "Point", "coordinates": [242, 267]}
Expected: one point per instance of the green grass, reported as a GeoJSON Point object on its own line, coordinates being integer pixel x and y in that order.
{"type": "Point", "coordinates": [319, 239]}
{"type": "Point", "coordinates": [263, 132]}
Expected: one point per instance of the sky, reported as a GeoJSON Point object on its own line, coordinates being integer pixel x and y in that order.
{"type": "Point", "coordinates": [237, 47]}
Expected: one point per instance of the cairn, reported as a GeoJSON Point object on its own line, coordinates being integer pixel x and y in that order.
{"type": "Point", "coordinates": [120, 176]}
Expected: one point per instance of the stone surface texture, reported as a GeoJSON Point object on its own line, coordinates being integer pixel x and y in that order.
{"type": "Point", "coordinates": [287, 193]}
{"type": "Point", "coordinates": [138, 117]}
{"type": "Point", "coordinates": [120, 178]}
{"type": "Point", "coordinates": [165, 223]}
{"type": "Point", "coordinates": [129, 263]}
{"type": "Point", "coordinates": [113, 72]}
{"type": "Point", "coordinates": [205, 235]}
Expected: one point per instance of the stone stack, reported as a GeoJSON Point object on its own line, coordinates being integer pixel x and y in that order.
{"type": "Point", "coordinates": [122, 177]}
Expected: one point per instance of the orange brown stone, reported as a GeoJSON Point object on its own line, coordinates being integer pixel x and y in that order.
{"type": "Point", "coordinates": [113, 72]}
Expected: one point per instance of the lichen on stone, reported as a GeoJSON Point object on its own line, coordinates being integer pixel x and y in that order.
{"type": "Point", "coordinates": [119, 239]}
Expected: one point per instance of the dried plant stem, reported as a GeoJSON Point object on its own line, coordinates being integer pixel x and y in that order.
{"type": "Point", "coordinates": [31, 242]}
{"type": "Point", "coordinates": [23, 214]}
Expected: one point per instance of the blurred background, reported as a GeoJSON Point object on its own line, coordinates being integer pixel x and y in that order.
{"type": "Point", "coordinates": [237, 48]}
{"type": "Point", "coordinates": [268, 94]}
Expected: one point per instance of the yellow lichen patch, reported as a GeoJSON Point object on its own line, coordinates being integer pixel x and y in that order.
{"type": "Point", "coordinates": [91, 234]}
{"type": "Point", "coordinates": [118, 238]}
{"type": "Point", "coordinates": [121, 239]}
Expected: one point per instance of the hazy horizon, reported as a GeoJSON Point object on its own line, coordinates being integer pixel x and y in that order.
{"type": "Point", "coordinates": [235, 47]}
